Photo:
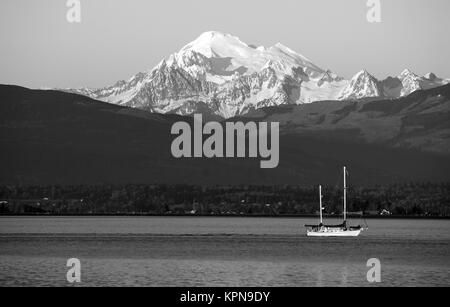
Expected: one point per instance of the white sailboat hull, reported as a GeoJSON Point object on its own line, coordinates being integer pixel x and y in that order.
{"type": "Point", "coordinates": [327, 232]}
{"type": "Point", "coordinates": [322, 230]}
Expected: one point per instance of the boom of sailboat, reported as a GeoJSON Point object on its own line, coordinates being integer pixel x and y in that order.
{"type": "Point", "coordinates": [342, 230]}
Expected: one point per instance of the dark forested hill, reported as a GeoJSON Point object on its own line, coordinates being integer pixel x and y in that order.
{"type": "Point", "coordinates": [50, 137]}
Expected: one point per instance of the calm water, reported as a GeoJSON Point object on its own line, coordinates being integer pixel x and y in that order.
{"type": "Point", "coordinates": [156, 251]}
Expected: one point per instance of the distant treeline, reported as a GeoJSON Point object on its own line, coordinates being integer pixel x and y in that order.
{"type": "Point", "coordinates": [412, 199]}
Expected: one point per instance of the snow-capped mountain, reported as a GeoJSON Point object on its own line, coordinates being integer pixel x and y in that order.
{"type": "Point", "coordinates": [221, 75]}
{"type": "Point", "coordinates": [412, 82]}
{"type": "Point", "coordinates": [362, 85]}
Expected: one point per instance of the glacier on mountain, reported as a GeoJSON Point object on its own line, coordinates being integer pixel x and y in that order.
{"type": "Point", "coordinates": [219, 75]}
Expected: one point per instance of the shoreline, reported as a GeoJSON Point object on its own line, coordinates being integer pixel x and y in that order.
{"type": "Point", "coordinates": [378, 217]}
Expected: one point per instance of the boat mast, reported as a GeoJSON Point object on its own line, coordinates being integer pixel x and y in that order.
{"type": "Point", "coordinates": [345, 194]}
{"type": "Point", "coordinates": [321, 217]}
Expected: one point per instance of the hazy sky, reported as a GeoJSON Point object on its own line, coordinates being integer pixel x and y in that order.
{"type": "Point", "coordinates": [118, 38]}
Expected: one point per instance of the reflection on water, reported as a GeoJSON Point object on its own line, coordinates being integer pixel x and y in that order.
{"type": "Point", "coordinates": [218, 252]}
{"type": "Point", "coordinates": [31, 271]}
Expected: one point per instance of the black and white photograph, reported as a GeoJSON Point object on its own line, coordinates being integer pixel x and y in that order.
{"type": "Point", "coordinates": [224, 150]}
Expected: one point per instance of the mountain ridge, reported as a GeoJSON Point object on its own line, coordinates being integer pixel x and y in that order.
{"type": "Point", "coordinates": [228, 78]}
{"type": "Point", "coordinates": [419, 121]}
{"type": "Point", "coordinates": [51, 137]}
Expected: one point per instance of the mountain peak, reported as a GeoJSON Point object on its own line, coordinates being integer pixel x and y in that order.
{"type": "Point", "coordinates": [362, 85]}
{"type": "Point", "coordinates": [216, 44]}
{"type": "Point", "coordinates": [213, 33]}
{"type": "Point", "coordinates": [211, 36]}
{"type": "Point", "coordinates": [406, 73]}
{"type": "Point", "coordinates": [217, 56]}
{"type": "Point", "coordinates": [430, 76]}
{"type": "Point", "coordinates": [363, 72]}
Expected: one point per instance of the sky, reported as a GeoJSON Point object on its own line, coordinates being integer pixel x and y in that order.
{"type": "Point", "coordinates": [118, 38]}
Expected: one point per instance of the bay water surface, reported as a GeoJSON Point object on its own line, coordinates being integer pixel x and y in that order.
{"type": "Point", "coordinates": [219, 251]}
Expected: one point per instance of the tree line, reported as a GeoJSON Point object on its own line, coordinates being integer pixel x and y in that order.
{"type": "Point", "coordinates": [408, 199]}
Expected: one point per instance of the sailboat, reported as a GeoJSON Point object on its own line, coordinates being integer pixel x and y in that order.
{"type": "Point", "coordinates": [342, 230]}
